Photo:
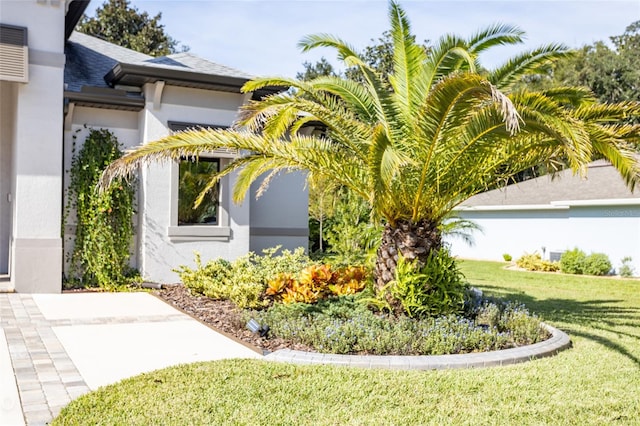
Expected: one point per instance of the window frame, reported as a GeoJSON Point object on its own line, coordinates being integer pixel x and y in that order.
{"type": "Point", "coordinates": [201, 232]}
{"type": "Point", "coordinates": [202, 160]}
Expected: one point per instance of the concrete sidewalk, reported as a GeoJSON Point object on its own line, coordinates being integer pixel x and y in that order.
{"type": "Point", "coordinates": [54, 348]}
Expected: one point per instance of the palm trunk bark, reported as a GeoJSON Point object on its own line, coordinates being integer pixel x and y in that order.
{"type": "Point", "coordinates": [411, 240]}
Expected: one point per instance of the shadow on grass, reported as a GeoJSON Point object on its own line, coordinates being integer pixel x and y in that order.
{"type": "Point", "coordinates": [606, 342]}
{"type": "Point", "coordinates": [605, 315]}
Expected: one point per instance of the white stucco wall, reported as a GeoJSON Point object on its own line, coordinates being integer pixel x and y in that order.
{"type": "Point", "coordinates": [162, 246]}
{"type": "Point", "coordinates": [36, 161]}
{"type": "Point", "coordinates": [280, 215]}
{"type": "Point", "coordinates": [610, 229]}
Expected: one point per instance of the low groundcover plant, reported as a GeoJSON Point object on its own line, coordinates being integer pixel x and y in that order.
{"type": "Point", "coordinates": [345, 325]}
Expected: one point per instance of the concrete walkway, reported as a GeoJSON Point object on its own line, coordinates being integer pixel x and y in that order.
{"type": "Point", "coordinates": [54, 348]}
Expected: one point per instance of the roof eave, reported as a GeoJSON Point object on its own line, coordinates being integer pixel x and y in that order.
{"type": "Point", "coordinates": [75, 11]}
{"type": "Point", "coordinates": [138, 75]}
{"type": "Point", "coordinates": [101, 100]}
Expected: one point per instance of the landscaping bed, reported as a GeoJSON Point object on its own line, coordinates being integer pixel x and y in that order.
{"type": "Point", "coordinates": [224, 316]}
{"type": "Point", "coordinates": [345, 326]}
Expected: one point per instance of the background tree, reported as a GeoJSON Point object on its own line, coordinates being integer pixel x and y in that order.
{"type": "Point", "coordinates": [442, 134]}
{"type": "Point", "coordinates": [613, 75]}
{"type": "Point", "coordinates": [320, 68]}
{"type": "Point", "coordinates": [379, 56]}
{"type": "Point", "coordinates": [116, 21]}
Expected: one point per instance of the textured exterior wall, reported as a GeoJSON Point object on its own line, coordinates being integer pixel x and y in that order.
{"type": "Point", "coordinates": [163, 245]}
{"type": "Point", "coordinates": [610, 229]}
{"type": "Point", "coordinates": [36, 187]}
{"type": "Point", "coordinates": [280, 216]}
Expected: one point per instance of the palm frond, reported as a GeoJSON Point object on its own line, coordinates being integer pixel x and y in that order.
{"type": "Point", "coordinates": [409, 74]}
{"type": "Point", "coordinates": [454, 226]}
{"type": "Point", "coordinates": [449, 55]}
{"type": "Point", "coordinates": [531, 62]}
{"type": "Point", "coordinates": [354, 94]}
{"type": "Point", "coordinates": [495, 35]}
{"type": "Point", "coordinates": [344, 49]}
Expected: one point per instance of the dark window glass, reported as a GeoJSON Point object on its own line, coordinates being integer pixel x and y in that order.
{"type": "Point", "coordinates": [194, 176]}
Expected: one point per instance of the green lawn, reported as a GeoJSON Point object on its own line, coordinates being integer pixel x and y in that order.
{"type": "Point", "coordinates": [596, 382]}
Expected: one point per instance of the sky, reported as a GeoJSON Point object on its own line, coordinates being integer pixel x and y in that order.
{"type": "Point", "coordinates": [261, 37]}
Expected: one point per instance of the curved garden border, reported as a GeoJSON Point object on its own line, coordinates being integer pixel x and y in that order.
{"type": "Point", "coordinates": [558, 341]}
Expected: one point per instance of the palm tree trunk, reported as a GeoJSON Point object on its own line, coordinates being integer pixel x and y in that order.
{"type": "Point", "coordinates": [411, 240]}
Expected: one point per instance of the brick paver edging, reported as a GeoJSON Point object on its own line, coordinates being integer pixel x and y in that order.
{"type": "Point", "coordinates": [556, 343]}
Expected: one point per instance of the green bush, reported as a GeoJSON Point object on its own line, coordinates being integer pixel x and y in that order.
{"type": "Point", "coordinates": [597, 264]}
{"type": "Point", "coordinates": [577, 262]}
{"type": "Point", "coordinates": [244, 280]}
{"type": "Point", "coordinates": [533, 262]}
{"type": "Point", "coordinates": [626, 270]}
{"type": "Point", "coordinates": [507, 257]}
{"type": "Point", "coordinates": [573, 261]}
{"type": "Point", "coordinates": [344, 325]}
{"type": "Point", "coordinates": [434, 289]}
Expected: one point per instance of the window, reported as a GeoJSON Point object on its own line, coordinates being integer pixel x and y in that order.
{"type": "Point", "coordinates": [193, 177]}
{"type": "Point", "coordinates": [210, 221]}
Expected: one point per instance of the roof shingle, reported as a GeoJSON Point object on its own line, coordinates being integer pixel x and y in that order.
{"type": "Point", "coordinates": [89, 59]}
{"type": "Point", "coordinates": [603, 182]}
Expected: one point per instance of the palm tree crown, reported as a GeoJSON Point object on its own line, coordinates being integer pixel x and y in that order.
{"type": "Point", "coordinates": [417, 143]}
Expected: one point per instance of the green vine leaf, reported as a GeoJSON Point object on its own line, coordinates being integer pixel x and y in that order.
{"type": "Point", "coordinates": [104, 221]}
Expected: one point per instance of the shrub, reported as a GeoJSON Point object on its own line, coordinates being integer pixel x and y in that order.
{"type": "Point", "coordinates": [626, 270]}
{"type": "Point", "coordinates": [434, 289]}
{"type": "Point", "coordinates": [573, 261]}
{"type": "Point", "coordinates": [597, 264]}
{"type": "Point", "coordinates": [351, 234]}
{"type": "Point", "coordinates": [317, 282]}
{"type": "Point", "coordinates": [533, 262]}
{"type": "Point", "coordinates": [244, 280]}
{"type": "Point", "coordinates": [577, 262]}
{"type": "Point", "coordinates": [507, 257]}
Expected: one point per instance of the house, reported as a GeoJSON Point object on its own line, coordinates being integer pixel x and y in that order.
{"type": "Point", "coordinates": [549, 215]}
{"type": "Point", "coordinates": [58, 83]}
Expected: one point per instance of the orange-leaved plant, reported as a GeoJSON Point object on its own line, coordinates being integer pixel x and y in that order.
{"type": "Point", "coordinates": [317, 282]}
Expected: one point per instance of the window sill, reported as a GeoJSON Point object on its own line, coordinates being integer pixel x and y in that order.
{"type": "Point", "coordinates": [199, 233]}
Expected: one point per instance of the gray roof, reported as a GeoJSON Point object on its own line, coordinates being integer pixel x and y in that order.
{"type": "Point", "coordinates": [187, 61]}
{"type": "Point", "coordinates": [90, 59]}
{"type": "Point", "coordinates": [603, 182]}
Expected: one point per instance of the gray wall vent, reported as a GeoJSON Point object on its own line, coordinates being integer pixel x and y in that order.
{"type": "Point", "coordinates": [554, 256]}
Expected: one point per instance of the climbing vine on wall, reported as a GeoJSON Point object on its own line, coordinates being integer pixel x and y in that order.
{"type": "Point", "coordinates": [104, 220]}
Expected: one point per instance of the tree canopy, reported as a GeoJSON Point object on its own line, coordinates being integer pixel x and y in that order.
{"type": "Point", "coordinates": [612, 74]}
{"type": "Point", "coordinates": [118, 22]}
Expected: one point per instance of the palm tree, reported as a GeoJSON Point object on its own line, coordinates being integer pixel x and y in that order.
{"type": "Point", "coordinates": [418, 142]}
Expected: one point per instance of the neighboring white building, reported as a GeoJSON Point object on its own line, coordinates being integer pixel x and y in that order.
{"type": "Point", "coordinates": [550, 215]}
{"type": "Point", "coordinates": [73, 80]}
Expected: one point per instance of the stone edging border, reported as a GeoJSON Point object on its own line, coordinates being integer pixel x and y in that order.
{"type": "Point", "coordinates": [558, 341]}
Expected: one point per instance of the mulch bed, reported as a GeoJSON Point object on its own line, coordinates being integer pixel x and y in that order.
{"type": "Point", "coordinates": [223, 316]}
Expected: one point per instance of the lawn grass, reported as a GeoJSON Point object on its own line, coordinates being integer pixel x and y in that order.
{"type": "Point", "coordinates": [596, 382]}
